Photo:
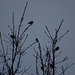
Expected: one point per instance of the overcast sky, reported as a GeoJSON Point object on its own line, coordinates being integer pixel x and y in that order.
{"type": "Point", "coordinates": [43, 12]}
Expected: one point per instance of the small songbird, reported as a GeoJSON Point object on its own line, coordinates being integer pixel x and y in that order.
{"type": "Point", "coordinates": [13, 36]}
{"type": "Point", "coordinates": [57, 48]}
{"type": "Point", "coordinates": [51, 65]}
{"type": "Point", "coordinates": [42, 68]}
{"type": "Point", "coordinates": [0, 34]}
{"type": "Point", "coordinates": [31, 22]}
{"type": "Point", "coordinates": [36, 40]}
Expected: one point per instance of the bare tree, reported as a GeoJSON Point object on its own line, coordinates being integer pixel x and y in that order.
{"type": "Point", "coordinates": [11, 57]}
{"type": "Point", "coordinates": [46, 58]}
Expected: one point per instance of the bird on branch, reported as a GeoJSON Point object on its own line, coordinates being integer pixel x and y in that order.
{"type": "Point", "coordinates": [31, 22]}
{"type": "Point", "coordinates": [13, 36]}
{"type": "Point", "coordinates": [57, 48]}
{"type": "Point", "coordinates": [36, 39]}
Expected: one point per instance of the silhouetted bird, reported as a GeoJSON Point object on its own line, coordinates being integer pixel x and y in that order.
{"type": "Point", "coordinates": [57, 48]}
{"type": "Point", "coordinates": [36, 40]}
{"type": "Point", "coordinates": [0, 34]}
{"type": "Point", "coordinates": [42, 68]}
{"type": "Point", "coordinates": [31, 22]}
{"type": "Point", "coordinates": [47, 53]}
{"type": "Point", "coordinates": [12, 36]}
{"type": "Point", "coordinates": [51, 65]}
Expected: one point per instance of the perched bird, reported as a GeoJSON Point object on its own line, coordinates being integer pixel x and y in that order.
{"type": "Point", "coordinates": [57, 48]}
{"type": "Point", "coordinates": [51, 65]}
{"type": "Point", "coordinates": [47, 53]}
{"type": "Point", "coordinates": [13, 36]}
{"type": "Point", "coordinates": [42, 68]}
{"type": "Point", "coordinates": [0, 34]}
{"type": "Point", "coordinates": [31, 22]}
{"type": "Point", "coordinates": [36, 40]}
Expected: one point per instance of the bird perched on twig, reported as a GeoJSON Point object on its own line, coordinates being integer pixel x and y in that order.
{"type": "Point", "coordinates": [36, 39]}
{"type": "Point", "coordinates": [31, 22]}
{"type": "Point", "coordinates": [13, 36]}
{"type": "Point", "coordinates": [51, 65]}
{"type": "Point", "coordinates": [57, 48]}
{"type": "Point", "coordinates": [0, 34]}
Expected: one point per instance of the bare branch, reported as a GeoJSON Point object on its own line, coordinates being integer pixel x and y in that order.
{"type": "Point", "coordinates": [50, 37]}
{"type": "Point", "coordinates": [58, 54]}
{"type": "Point", "coordinates": [63, 35]}
{"type": "Point", "coordinates": [25, 70]}
{"type": "Point", "coordinates": [28, 47]}
{"type": "Point", "coordinates": [60, 26]}
{"type": "Point", "coordinates": [22, 18]}
{"type": "Point", "coordinates": [66, 68]}
{"type": "Point", "coordinates": [65, 58]}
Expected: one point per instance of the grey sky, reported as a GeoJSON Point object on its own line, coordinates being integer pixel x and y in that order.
{"type": "Point", "coordinates": [43, 12]}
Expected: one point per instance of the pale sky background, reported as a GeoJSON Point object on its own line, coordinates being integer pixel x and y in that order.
{"type": "Point", "coordinates": [42, 12]}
